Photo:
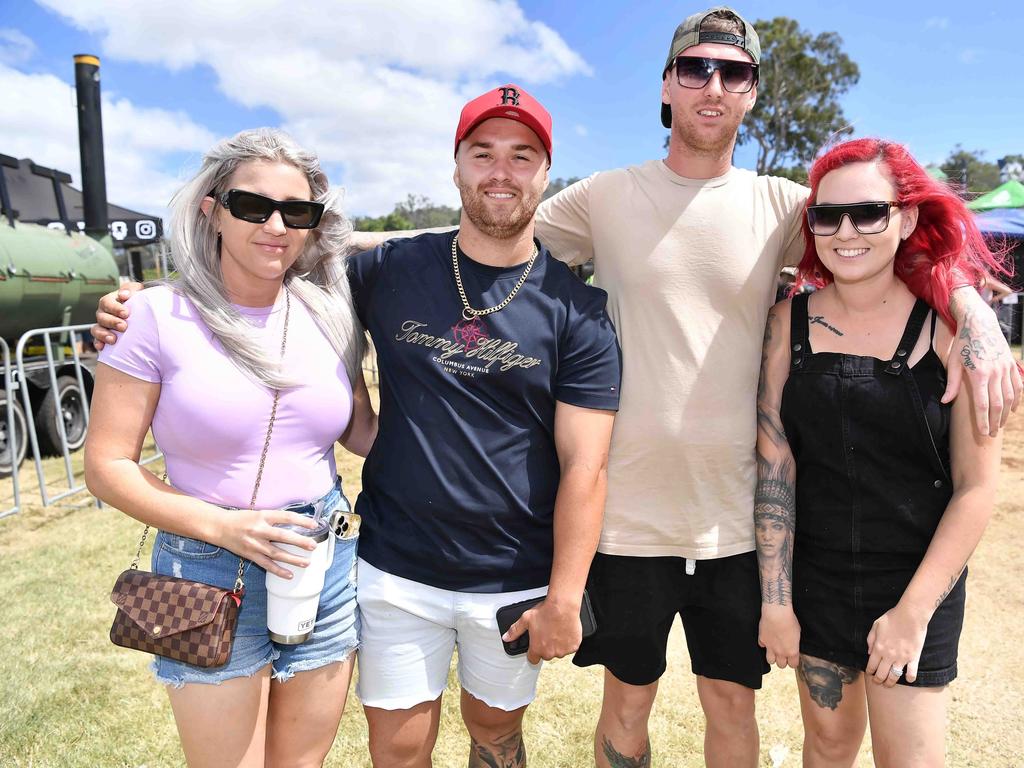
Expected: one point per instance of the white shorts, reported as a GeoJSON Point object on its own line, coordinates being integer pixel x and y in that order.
{"type": "Point", "coordinates": [409, 631]}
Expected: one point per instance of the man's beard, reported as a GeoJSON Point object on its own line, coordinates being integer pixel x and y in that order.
{"type": "Point", "coordinates": [713, 145]}
{"type": "Point", "coordinates": [499, 225]}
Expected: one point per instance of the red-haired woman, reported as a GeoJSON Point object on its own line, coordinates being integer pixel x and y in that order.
{"type": "Point", "coordinates": [882, 490]}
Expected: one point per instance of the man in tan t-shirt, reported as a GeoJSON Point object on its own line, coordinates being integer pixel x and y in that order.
{"type": "Point", "coordinates": [689, 250]}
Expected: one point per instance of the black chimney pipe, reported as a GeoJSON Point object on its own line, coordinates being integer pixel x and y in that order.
{"type": "Point", "coordinates": [90, 142]}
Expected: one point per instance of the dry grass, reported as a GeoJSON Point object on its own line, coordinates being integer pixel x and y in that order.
{"type": "Point", "coordinates": [69, 698]}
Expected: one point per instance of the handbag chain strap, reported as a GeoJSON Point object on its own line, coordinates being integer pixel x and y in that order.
{"type": "Point", "coordinates": [239, 583]}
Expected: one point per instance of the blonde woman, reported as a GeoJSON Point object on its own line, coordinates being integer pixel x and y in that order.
{"type": "Point", "coordinates": [261, 304]}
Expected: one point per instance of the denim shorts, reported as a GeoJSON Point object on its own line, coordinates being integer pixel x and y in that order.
{"type": "Point", "coordinates": [335, 634]}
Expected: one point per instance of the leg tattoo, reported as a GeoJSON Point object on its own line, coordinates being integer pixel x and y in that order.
{"type": "Point", "coordinates": [510, 752]}
{"type": "Point", "coordinates": [617, 760]}
{"type": "Point", "coordinates": [825, 680]}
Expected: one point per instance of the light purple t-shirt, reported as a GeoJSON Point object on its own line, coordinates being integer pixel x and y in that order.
{"type": "Point", "coordinates": [211, 420]}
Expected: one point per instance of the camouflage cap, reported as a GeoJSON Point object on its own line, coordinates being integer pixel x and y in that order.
{"type": "Point", "coordinates": [688, 34]}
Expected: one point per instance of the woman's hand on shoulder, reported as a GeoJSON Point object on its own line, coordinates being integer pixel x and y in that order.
{"type": "Point", "coordinates": [252, 534]}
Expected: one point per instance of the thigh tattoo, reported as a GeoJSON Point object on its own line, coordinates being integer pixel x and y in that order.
{"type": "Point", "coordinates": [825, 680]}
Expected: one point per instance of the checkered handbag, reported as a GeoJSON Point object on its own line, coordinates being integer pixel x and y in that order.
{"type": "Point", "coordinates": [184, 620]}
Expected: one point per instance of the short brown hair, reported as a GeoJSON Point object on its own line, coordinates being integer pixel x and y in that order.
{"type": "Point", "coordinates": [723, 21]}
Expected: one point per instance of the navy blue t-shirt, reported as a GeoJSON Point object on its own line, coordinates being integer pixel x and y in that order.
{"type": "Point", "coordinates": [459, 487]}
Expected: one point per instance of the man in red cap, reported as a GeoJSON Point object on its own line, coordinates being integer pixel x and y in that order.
{"type": "Point", "coordinates": [485, 484]}
{"type": "Point", "coordinates": [499, 381]}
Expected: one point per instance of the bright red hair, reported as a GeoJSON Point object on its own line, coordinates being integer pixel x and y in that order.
{"type": "Point", "coordinates": [945, 250]}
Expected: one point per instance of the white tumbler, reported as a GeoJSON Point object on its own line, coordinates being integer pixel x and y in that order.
{"type": "Point", "coordinates": [292, 603]}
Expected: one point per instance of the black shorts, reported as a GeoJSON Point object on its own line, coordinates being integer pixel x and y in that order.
{"type": "Point", "coordinates": [636, 599]}
{"type": "Point", "coordinates": [836, 612]}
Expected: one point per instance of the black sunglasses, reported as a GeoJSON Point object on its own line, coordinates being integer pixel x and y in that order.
{"type": "Point", "coordinates": [697, 71]}
{"type": "Point", "coordinates": [867, 218]}
{"type": "Point", "coordinates": [256, 209]}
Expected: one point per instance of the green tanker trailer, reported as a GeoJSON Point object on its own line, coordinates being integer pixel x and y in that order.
{"type": "Point", "coordinates": [48, 278]}
{"type": "Point", "coordinates": [52, 276]}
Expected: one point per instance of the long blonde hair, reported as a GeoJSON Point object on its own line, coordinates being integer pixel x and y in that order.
{"type": "Point", "coordinates": [317, 278]}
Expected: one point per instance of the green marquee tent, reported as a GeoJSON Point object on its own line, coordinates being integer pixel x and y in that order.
{"type": "Point", "coordinates": [1008, 195]}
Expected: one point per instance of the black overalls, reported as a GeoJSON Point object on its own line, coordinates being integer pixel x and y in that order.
{"type": "Point", "coordinates": [871, 443]}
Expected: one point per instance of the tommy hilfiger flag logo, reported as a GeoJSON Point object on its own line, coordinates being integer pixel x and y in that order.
{"type": "Point", "coordinates": [509, 96]}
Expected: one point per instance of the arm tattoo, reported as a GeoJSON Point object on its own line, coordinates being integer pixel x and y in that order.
{"type": "Point", "coordinates": [775, 524]}
{"type": "Point", "coordinates": [770, 421]}
{"type": "Point", "coordinates": [979, 343]}
{"type": "Point", "coordinates": [775, 497]}
{"type": "Point", "coordinates": [510, 752]}
{"type": "Point", "coordinates": [820, 320]}
{"type": "Point", "coordinates": [617, 760]}
{"type": "Point", "coordinates": [952, 583]}
{"type": "Point", "coordinates": [768, 418]}
{"type": "Point", "coordinates": [764, 354]}
{"type": "Point", "coordinates": [825, 680]}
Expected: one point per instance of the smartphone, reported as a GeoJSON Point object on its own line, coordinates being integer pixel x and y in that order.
{"type": "Point", "coordinates": [508, 615]}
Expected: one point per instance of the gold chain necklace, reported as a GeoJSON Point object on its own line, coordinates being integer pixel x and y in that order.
{"type": "Point", "coordinates": [468, 313]}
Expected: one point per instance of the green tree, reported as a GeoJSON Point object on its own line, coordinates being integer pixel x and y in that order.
{"type": "Point", "coordinates": [1013, 160]}
{"type": "Point", "coordinates": [557, 185]}
{"type": "Point", "coordinates": [971, 169]}
{"type": "Point", "coordinates": [424, 214]}
{"type": "Point", "coordinates": [393, 221]}
{"type": "Point", "coordinates": [416, 212]}
{"type": "Point", "coordinates": [797, 173]}
{"type": "Point", "coordinates": [797, 110]}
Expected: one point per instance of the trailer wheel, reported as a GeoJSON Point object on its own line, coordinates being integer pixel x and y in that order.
{"type": "Point", "coordinates": [20, 430]}
{"type": "Point", "coordinates": [71, 410]}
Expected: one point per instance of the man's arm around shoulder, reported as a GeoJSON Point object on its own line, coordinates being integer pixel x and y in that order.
{"type": "Point", "coordinates": [367, 241]}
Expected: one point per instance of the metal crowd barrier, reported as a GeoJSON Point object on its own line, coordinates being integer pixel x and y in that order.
{"type": "Point", "coordinates": [12, 435]}
{"type": "Point", "coordinates": [74, 337]}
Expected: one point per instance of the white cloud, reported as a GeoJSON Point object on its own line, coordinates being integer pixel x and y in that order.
{"type": "Point", "coordinates": [937, 22]}
{"type": "Point", "coordinates": [968, 55]}
{"type": "Point", "coordinates": [374, 88]}
{"type": "Point", "coordinates": [581, 130]}
{"type": "Point", "coordinates": [39, 120]}
{"type": "Point", "coordinates": [15, 47]}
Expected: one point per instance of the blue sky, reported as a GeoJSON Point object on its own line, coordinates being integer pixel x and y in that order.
{"type": "Point", "coordinates": [375, 87]}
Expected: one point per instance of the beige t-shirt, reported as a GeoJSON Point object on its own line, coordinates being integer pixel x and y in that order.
{"type": "Point", "coordinates": [690, 267]}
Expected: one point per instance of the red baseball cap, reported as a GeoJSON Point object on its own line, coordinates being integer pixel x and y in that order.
{"type": "Point", "coordinates": [509, 101]}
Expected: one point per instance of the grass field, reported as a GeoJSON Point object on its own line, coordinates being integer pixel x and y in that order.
{"type": "Point", "coordinates": [70, 698]}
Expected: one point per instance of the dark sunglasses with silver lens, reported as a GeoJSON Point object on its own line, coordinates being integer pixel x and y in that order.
{"type": "Point", "coordinates": [256, 209]}
{"type": "Point", "coordinates": [697, 71]}
{"type": "Point", "coordinates": [867, 218]}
